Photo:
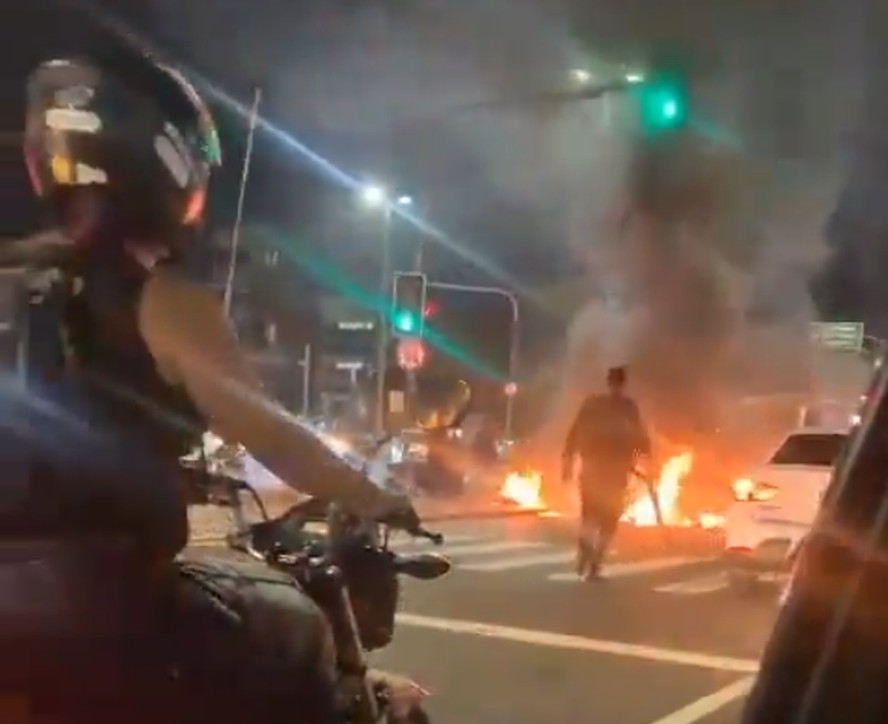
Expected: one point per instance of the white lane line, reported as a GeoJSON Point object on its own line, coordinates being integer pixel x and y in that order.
{"type": "Point", "coordinates": [419, 543]}
{"type": "Point", "coordinates": [578, 643]}
{"type": "Point", "coordinates": [508, 564]}
{"type": "Point", "coordinates": [496, 547]}
{"type": "Point", "coordinates": [700, 709]}
{"type": "Point", "coordinates": [696, 586]}
{"type": "Point", "coordinates": [618, 570]}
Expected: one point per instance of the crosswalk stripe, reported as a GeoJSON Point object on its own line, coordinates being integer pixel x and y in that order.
{"type": "Point", "coordinates": [480, 549]}
{"type": "Point", "coordinates": [420, 543]}
{"type": "Point", "coordinates": [508, 564]}
{"type": "Point", "coordinates": [696, 586]}
{"type": "Point", "coordinates": [617, 570]}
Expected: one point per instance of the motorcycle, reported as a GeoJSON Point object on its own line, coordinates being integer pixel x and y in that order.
{"type": "Point", "coordinates": [349, 571]}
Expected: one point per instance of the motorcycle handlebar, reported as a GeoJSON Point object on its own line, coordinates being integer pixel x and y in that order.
{"type": "Point", "coordinates": [208, 488]}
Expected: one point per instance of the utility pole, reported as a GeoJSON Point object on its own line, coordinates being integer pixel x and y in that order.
{"type": "Point", "coordinates": [239, 214]}
{"type": "Point", "coordinates": [385, 296]}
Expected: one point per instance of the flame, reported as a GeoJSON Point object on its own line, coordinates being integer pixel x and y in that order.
{"type": "Point", "coordinates": [525, 489]}
{"type": "Point", "coordinates": [711, 520]}
{"type": "Point", "coordinates": [641, 510]}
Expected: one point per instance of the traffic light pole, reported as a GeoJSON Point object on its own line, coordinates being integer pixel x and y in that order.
{"type": "Point", "coordinates": [385, 296]}
{"type": "Point", "coordinates": [513, 335]}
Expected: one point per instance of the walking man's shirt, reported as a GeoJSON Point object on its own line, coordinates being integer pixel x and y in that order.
{"type": "Point", "coordinates": [607, 435]}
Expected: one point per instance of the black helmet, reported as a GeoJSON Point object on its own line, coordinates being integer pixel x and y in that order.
{"type": "Point", "coordinates": [130, 128]}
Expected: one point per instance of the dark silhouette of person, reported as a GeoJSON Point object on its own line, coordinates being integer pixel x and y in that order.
{"type": "Point", "coordinates": [608, 435]}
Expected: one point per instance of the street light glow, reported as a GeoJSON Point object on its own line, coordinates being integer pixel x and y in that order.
{"type": "Point", "coordinates": [634, 78]}
{"type": "Point", "coordinates": [374, 195]}
{"type": "Point", "coordinates": [405, 200]}
{"type": "Point", "coordinates": [580, 75]}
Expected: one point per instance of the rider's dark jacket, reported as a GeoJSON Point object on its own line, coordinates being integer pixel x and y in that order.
{"type": "Point", "coordinates": [97, 433]}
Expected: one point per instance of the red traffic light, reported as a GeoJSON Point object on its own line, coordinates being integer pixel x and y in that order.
{"type": "Point", "coordinates": [411, 354]}
{"type": "Point", "coordinates": [510, 389]}
{"type": "Point", "coordinates": [431, 309]}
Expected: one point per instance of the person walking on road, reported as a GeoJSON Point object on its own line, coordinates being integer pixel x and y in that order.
{"type": "Point", "coordinates": [608, 435]}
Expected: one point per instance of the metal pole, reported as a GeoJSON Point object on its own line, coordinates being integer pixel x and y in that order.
{"type": "Point", "coordinates": [419, 260]}
{"type": "Point", "coordinates": [385, 309]}
{"type": "Point", "coordinates": [239, 214]}
{"type": "Point", "coordinates": [513, 334]}
{"type": "Point", "coordinates": [306, 380]}
{"type": "Point", "coordinates": [412, 386]}
{"type": "Point", "coordinates": [513, 364]}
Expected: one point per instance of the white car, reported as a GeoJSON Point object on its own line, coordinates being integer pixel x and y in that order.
{"type": "Point", "coordinates": [776, 505]}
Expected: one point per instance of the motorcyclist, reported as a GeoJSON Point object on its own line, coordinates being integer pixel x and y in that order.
{"type": "Point", "coordinates": [129, 363]}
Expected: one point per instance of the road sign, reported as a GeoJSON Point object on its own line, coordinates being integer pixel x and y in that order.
{"type": "Point", "coordinates": [838, 335]}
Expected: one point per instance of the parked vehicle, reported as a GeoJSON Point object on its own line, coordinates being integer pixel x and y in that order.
{"type": "Point", "coordinates": [776, 504]}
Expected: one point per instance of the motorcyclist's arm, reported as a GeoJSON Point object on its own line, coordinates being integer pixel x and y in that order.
{"type": "Point", "coordinates": [194, 346]}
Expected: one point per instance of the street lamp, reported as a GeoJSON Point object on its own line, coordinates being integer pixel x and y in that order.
{"type": "Point", "coordinates": [375, 196]}
{"type": "Point", "coordinates": [581, 76]}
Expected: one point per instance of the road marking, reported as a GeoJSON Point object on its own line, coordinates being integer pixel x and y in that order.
{"type": "Point", "coordinates": [696, 586]}
{"type": "Point", "coordinates": [578, 643]}
{"type": "Point", "coordinates": [495, 547]}
{"type": "Point", "coordinates": [617, 570]}
{"type": "Point", "coordinates": [508, 564]}
{"type": "Point", "coordinates": [413, 543]}
{"type": "Point", "coordinates": [700, 709]}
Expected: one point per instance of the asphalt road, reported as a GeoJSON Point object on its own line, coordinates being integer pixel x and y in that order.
{"type": "Point", "coordinates": [511, 636]}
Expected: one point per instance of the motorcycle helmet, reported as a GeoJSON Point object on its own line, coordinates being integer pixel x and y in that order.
{"type": "Point", "coordinates": [124, 129]}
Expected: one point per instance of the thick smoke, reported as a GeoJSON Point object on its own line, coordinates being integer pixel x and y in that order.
{"type": "Point", "coordinates": [699, 284]}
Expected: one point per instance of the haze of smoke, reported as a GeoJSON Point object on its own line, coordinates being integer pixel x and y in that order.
{"type": "Point", "coordinates": [690, 307]}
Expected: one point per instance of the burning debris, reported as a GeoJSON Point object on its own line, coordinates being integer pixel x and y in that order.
{"type": "Point", "coordinates": [525, 489]}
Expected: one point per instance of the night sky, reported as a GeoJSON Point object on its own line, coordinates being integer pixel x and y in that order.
{"type": "Point", "coordinates": [305, 51]}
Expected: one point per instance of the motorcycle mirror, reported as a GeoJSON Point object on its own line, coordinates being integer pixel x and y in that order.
{"type": "Point", "coordinates": [424, 566]}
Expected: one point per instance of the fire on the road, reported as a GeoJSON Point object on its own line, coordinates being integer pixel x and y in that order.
{"type": "Point", "coordinates": [526, 490]}
{"type": "Point", "coordinates": [642, 511]}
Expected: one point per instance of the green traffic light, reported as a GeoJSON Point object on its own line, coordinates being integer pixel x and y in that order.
{"type": "Point", "coordinates": [663, 105]}
{"type": "Point", "coordinates": [406, 321]}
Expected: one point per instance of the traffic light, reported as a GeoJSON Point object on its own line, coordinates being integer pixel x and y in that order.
{"type": "Point", "coordinates": [409, 304]}
{"type": "Point", "coordinates": [412, 354]}
{"type": "Point", "coordinates": [663, 103]}
{"type": "Point", "coordinates": [406, 321]}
